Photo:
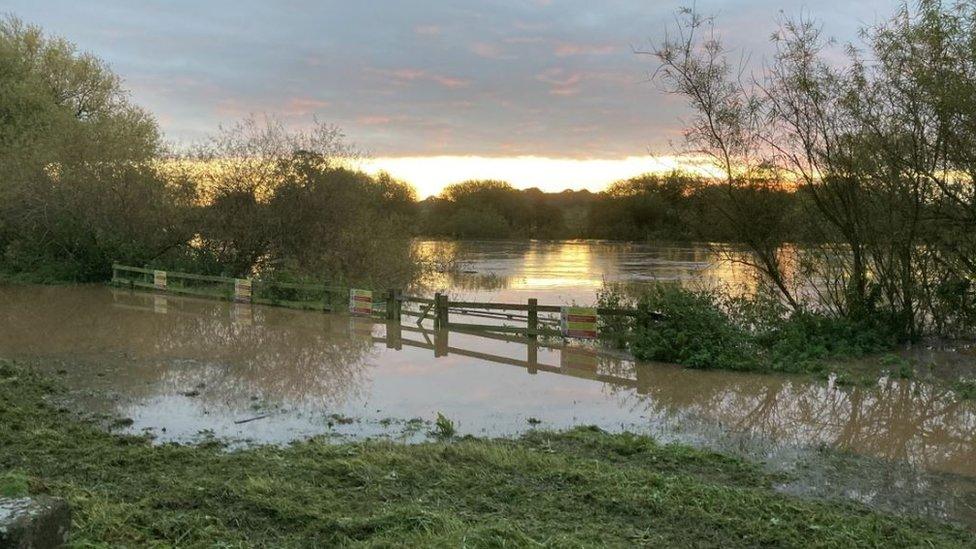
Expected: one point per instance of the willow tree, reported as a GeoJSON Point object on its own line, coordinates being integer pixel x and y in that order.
{"type": "Point", "coordinates": [878, 147]}
{"type": "Point", "coordinates": [78, 188]}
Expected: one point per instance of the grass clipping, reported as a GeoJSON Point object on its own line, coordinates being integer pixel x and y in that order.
{"type": "Point", "coordinates": [579, 488]}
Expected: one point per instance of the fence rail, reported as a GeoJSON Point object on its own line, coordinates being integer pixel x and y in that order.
{"type": "Point", "coordinates": [392, 304]}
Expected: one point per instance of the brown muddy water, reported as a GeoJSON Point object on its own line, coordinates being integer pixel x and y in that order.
{"type": "Point", "coordinates": [184, 368]}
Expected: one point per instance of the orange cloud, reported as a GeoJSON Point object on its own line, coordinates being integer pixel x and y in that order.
{"type": "Point", "coordinates": [427, 30]}
{"type": "Point", "coordinates": [374, 120]}
{"type": "Point", "coordinates": [488, 51]}
{"type": "Point", "coordinates": [560, 82]}
{"type": "Point", "coordinates": [523, 40]}
{"type": "Point", "coordinates": [411, 75]}
{"type": "Point", "coordinates": [566, 49]}
{"type": "Point", "coordinates": [301, 106]}
{"type": "Point", "coordinates": [449, 82]}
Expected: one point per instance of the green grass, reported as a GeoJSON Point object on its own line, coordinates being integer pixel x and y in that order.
{"type": "Point", "coordinates": [965, 389]}
{"type": "Point", "coordinates": [579, 488]}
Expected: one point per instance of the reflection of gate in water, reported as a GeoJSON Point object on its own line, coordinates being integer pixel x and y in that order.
{"type": "Point", "coordinates": [579, 362]}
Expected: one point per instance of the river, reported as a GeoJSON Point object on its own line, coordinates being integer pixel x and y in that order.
{"type": "Point", "coordinates": [184, 369]}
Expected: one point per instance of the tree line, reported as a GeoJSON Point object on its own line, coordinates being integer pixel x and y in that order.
{"type": "Point", "coordinates": [85, 180]}
{"type": "Point", "coordinates": [672, 206]}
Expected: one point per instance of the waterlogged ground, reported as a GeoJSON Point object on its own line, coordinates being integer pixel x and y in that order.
{"type": "Point", "coordinates": [184, 368]}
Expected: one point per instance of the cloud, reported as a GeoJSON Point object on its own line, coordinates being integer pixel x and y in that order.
{"type": "Point", "coordinates": [567, 49]}
{"type": "Point", "coordinates": [303, 106]}
{"type": "Point", "coordinates": [427, 30]}
{"type": "Point", "coordinates": [374, 120]}
{"type": "Point", "coordinates": [402, 76]}
{"type": "Point", "coordinates": [561, 82]}
{"type": "Point", "coordinates": [523, 40]}
{"type": "Point", "coordinates": [549, 78]}
{"type": "Point", "coordinates": [488, 51]}
{"type": "Point", "coordinates": [530, 26]}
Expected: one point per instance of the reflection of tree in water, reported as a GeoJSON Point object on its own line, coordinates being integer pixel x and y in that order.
{"type": "Point", "coordinates": [314, 361]}
{"type": "Point", "coordinates": [460, 281]}
{"type": "Point", "coordinates": [909, 421]}
{"type": "Point", "coordinates": [236, 351]}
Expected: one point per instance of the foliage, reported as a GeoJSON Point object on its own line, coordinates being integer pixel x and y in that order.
{"type": "Point", "coordinates": [674, 206]}
{"type": "Point", "coordinates": [280, 201]}
{"type": "Point", "coordinates": [492, 209]}
{"type": "Point", "coordinates": [76, 176]}
{"type": "Point", "coordinates": [877, 148]}
{"type": "Point", "coordinates": [444, 426]}
{"type": "Point", "coordinates": [646, 207]}
{"type": "Point", "coordinates": [720, 329]}
{"type": "Point", "coordinates": [84, 182]}
{"type": "Point", "coordinates": [695, 331]}
{"type": "Point", "coordinates": [14, 484]}
{"type": "Point", "coordinates": [580, 488]}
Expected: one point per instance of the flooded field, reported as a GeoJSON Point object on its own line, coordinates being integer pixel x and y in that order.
{"type": "Point", "coordinates": [184, 368]}
{"type": "Point", "coordinates": [572, 271]}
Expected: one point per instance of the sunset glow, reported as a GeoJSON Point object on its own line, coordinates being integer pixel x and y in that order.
{"type": "Point", "coordinates": [429, 175]}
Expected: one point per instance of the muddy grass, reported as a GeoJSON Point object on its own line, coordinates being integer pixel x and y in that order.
{"type": "Point", "coordinates": [579, 488]}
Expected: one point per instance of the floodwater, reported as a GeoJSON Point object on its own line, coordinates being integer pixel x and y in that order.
{"type": "Point", "coordinates": [567, 272]}
{"type": "Point", "coordinates": [184, 368]}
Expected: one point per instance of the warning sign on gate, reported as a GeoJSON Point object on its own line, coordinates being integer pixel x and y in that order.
{"type": "Point", "coordinates": [361, 302]}
{"type": "Point", "coordinates": [579, 322]}
{"type": "Point", "coordinates": [242, 290]}
{"type": "Point", "coordinates": [159, 280]}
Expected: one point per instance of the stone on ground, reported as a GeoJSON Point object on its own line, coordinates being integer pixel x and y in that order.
{"type": "Point", "coordinates": [33, 523]}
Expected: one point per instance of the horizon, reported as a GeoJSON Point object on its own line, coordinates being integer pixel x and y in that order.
{"type": "Point", "coordinates": [548, 94]}
{"type": "Point", "coordinates": [430, 175]}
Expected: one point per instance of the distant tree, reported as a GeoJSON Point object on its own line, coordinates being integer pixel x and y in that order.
{"type": "Point", "coordinates": [648, 206]}
{"type": "Point", "coordinates": [289, 202]}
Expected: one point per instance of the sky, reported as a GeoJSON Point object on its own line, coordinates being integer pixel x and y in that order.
{"type": "Point", "coordinates": [546, 93]}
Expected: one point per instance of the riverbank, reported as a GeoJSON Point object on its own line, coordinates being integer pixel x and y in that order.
{"type": "Point", "coordinates": [581, 487]}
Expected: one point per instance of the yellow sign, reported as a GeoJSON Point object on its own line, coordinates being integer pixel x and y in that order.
{"type": "Point", "coordinates": [361, 302]}
{"type": "Point", "coordinates": [579, 322]}
{"type": "Point", "coordinates": [242, 290]}
{"type": "Point", "coordinates": [159, 280]}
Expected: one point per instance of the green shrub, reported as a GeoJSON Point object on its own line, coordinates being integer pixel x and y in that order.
{"type": "Point", "coordinates": [735, 331]}
{"type": "Point", "coordinates": [694, 331]}
{"type": "Point", "coordinates": [444, 427]}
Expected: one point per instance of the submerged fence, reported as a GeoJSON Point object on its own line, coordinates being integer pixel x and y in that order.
{"type": "Point", "coordinates": [532, 319]}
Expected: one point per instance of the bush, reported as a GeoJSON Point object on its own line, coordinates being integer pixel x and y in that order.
{"type": "Point", "coordinates": [718, 329]}
{"type": "Point", "coordinates": [694, 331]}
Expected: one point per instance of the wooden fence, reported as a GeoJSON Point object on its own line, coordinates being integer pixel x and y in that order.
{"type": "Point", "coordinates": [531, 318]}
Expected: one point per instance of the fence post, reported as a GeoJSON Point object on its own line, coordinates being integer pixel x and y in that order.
{"type": "Point", "coordinates": [533, 358]}
{"type": "Point", "coordinates": [533, 318]}
{"type": "Point", "coordinates": [441, 342]}
{"type": "Point", "coordinates": [393, 304]}
{"type": "Point", "coordinates": [394, 335]}
{"type": "Point", "coordinates": [440, 310]}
